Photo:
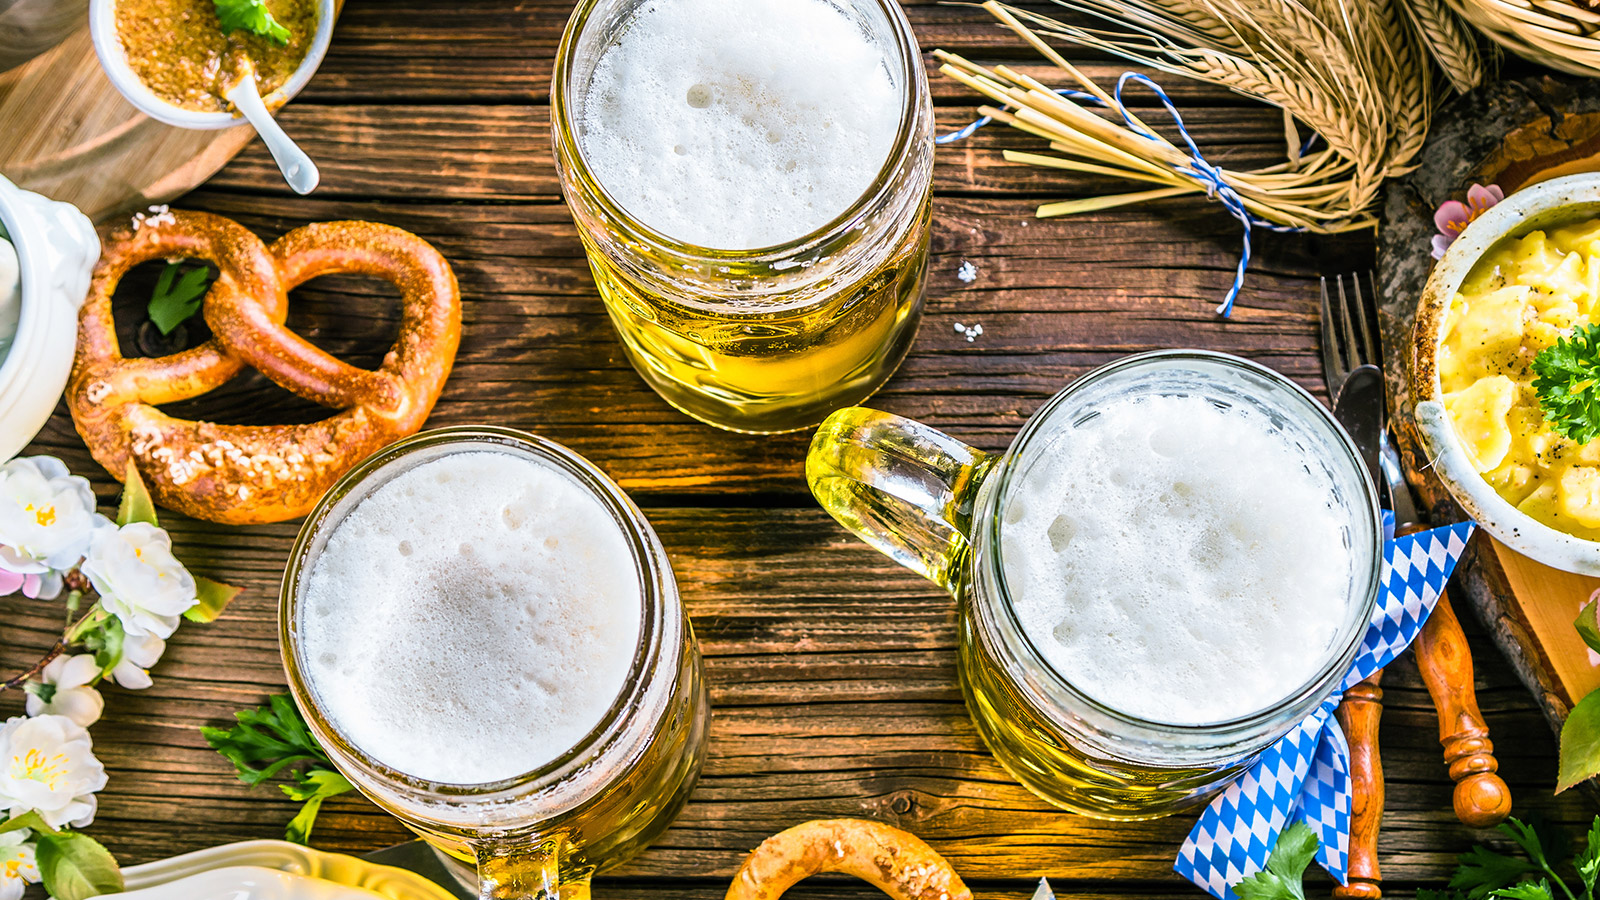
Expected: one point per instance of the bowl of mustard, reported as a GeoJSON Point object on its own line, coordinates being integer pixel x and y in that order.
{"type": "Point", "coordinates": [174, 61]}
{"type": "Point", "coordinates": [1520, 279]}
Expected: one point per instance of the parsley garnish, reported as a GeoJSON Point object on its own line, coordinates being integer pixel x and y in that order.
{"type": "Point", "coordinates": [1568, 383]}
{"type": "Point", "coordinates": [269, 740]}
{"type": "Point", "coordinates": [171, 304]}
{"type": "Point", "coordinates": [252, 16]}
{"type": "Point", "coordinates": [1283, 878]}
{"type": "Point", "coordinates": [1483, 874]}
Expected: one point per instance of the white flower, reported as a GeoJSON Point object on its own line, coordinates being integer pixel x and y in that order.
{"type": "Point", "coordinates": [18, 867]}
{"type": "Point", "coordinates": [66, 684]}
{"type": "Point", "coordinates": [139, 653]}
{"type": "Point", "coordinates": [139, 580]}
{"type": "Point", "coordinates": [47, 764]}
{"type": "Point", "coordinates": [47, 516]}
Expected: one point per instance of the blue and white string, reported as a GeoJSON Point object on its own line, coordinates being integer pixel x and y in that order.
{"type": "Point", "coordinates": [1199, 168]}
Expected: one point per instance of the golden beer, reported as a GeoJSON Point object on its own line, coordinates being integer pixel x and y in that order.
{"type": "Point", "coordinates": [1126, 645]}
{"type": "Point", "coordinates": [755, 327]}
{"type": "Point", "coordinates": [505, 685]}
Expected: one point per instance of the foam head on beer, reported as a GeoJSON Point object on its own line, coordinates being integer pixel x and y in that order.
{"type": "Point", "coordinates": [738, 126]}
{"type": "Point", "coordinates": [1177, 561]}
{"type": "Point", "coordinates": [471, 619]}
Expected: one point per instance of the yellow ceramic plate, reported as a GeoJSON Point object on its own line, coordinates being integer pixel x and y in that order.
{"type": "Point", "coordinates": [274, 870]}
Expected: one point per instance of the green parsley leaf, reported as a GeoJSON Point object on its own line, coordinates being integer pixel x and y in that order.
{"type": "Point", "coordinates": [252, 16]}
{"type": "Point", "coordinates": [171, 304]}
{"type": "Point", "coordinates": [1568, 383]}
{"type": "Point", "coordinates": [1526, 891]}
{"type": "Point", "coordinates": [1588, 861]}
{"type": "Point", "coordinates": [1483, 871]}
{"type": "Point", "coordinates": [74, 866]}
{"type": "Point", "coordinates": [269, 740]}
{"type": "Point", "coordinates": [1282, 879]}
{"type": "Point", "coordinates": [314, 787]}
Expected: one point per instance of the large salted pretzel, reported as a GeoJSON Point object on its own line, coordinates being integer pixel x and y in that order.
{"type": "Point", "coordinates": [894, 861]}
{"type": "Point", "coordinates": [243, 474]}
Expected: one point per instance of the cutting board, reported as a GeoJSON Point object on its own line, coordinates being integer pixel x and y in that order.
{"type": "Point", "coordinates": [66, 133]}
{"type": "Point", "coordinates": [1513, 134]}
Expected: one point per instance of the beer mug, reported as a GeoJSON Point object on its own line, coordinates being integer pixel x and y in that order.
{"type": "Point", "coordinates": [950, 512]}
{"type": "Point", "coordinates": [773, 338]}
{"type": "Point", "coordinates": [540, 833]}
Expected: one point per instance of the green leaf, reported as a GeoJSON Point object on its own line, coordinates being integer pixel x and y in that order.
{"type": "Point", "coordinates": [73, 866]}
{"type": "Point", "coordinates": [315, 786]}
{"type": "Point", "coordinates": [1431, 894]}
{"type": "Point", "coordinates": [1588, 625]}
{"type": "Point", "coordinates": [213, 597]}
{"type": "Point", "coordinates": [171, 304]}
{"type": "Point", "coordinates": [1283, 878]}
{"type": "Point", "coordinates": [252, 16]}
{"type": "Point", "coordinates": [30, 820]}
{"type": "Point", "coordinates": [1483, 870]}
{"type": "Point", "coordinates": [105, 642]}
{"type": "Point", "coordinates": [275, 736]}
{"type": "Point", "coordinates": [136, 505]}
{"type": "Point", "coordinates": [1528, 890]}
{"type": "Point", "coordinates": [1580, 743]}
{"type": "Point", "coordinates": [1588, 861]}
{"type": "Point", "coordinates": [1567, 380]}
{"type": "Point", "coordinates": [1528, 837]}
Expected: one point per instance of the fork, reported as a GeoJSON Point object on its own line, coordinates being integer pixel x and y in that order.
{"type": "Point", "coordinates": [1350, 338]}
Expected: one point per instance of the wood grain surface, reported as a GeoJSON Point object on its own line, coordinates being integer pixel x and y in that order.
{"type": "Point", "coordinates": [832, 670]}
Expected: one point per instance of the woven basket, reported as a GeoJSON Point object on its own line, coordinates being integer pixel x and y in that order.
{"type": "Point", "coordinates": [1556, 33]}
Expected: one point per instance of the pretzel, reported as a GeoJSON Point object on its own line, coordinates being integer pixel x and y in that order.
{"type": "Point", "coordinates": [894, 861]}
{"type": "Point", "coordinates": [245, 474]}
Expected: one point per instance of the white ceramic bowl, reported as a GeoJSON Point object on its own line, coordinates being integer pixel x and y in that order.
{"type": "Point", "coordinates": [56, 250]}
{"type": "Point", "coordinates": [1547, 204]}
{"type": "Point", "coordinates": [108, 46]}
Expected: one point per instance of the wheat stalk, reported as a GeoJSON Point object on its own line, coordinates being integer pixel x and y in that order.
{"type": "Point", "coordinates": [1352, 71]}
{"type": "Point", "coordinates": [1449, 43]}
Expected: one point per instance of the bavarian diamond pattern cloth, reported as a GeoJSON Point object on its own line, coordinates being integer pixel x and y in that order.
{"type": "Point", "coordinates": [1305, 776]}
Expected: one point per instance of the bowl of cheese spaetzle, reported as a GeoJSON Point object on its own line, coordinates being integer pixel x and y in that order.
{"type": "Point", "coordinates": [1505, 369]}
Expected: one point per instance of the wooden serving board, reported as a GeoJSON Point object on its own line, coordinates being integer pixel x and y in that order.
{"type": "Point", "coordinates": [1513, 134]}
{"type": "Point", "coordinates": [67, 133]}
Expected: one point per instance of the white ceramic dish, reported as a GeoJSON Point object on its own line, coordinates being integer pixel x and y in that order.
{"type": "Point", "coordinates": [108, 46]}
{"type": "Point", "coordinates": [1551, 203]}
{"type": "Point", "coordinates": [56, 250]}
{"type": "Point", "coordinates": [273, 870]}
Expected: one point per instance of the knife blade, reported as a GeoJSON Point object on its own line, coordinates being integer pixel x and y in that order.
{"type": "Point", "coordinates": [1359, 408]}
{"type": "Point", "coordinates": [418, 857]}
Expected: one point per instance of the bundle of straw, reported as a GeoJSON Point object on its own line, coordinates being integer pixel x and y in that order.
{"type": "Point", "coordinates": [1353, 72]}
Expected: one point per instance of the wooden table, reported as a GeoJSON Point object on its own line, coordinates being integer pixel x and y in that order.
{"type": "Point", "coordinates": [832, 670]}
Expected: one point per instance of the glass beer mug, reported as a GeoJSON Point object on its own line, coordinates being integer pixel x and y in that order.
{"type": "Point", "coordinates": [940, 508]}
{"type": "Point", "coordinates": [541, 833]}
{"type": "Point", "coordinates": [774, 338]}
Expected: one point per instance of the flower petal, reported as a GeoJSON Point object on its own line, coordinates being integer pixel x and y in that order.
{"type": "Point", "coordinates": [1451, 212]}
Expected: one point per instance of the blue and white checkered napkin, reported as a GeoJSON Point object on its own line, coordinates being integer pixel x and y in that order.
{"type": "Point", "coordinates": [1305, 776]}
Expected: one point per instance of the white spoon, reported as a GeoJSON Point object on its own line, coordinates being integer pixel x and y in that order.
{"type": "Point", "coordinates": [296, 166]}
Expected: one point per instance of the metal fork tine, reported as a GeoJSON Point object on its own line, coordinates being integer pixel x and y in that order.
{"type": "Point", "coordinates": [1333, 369]}
{"type": "Point", "coordinates": [1351, 341]}
{"type": "Point", "coordinates": [1366, 313]}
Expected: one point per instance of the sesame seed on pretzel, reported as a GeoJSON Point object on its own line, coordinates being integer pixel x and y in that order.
{"type": "Point", "coordinates": [244, 474]}
{"type": "Point", "coordinates": [894, 861]}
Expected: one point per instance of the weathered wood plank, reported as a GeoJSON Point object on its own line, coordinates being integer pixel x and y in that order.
{"type": "Point", "coordinates": [834, 693]}
{"type": "Point", "coordinates": [1055, 297]}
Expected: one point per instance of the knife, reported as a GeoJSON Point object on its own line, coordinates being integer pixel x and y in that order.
{"type": "Point", "coordinates": [418, 857]}
{"type": "Point", "coordinates": [1358, 406]}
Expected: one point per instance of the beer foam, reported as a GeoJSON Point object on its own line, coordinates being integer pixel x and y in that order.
{"type": "Point", "coordinates": [1178, 561]}
{"type": "Point", "coordinates": [739, 128]}
{"type": "Point", "coordinates": [472, 619]}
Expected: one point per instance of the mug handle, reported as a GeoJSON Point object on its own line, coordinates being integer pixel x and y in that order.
{"type": "Point", "coordinates": [530, 872]}
{"type": "Point", "coordinates": [904, 488]}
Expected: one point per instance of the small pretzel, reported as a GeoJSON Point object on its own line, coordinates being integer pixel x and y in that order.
{"type": "Point", "coordinates": [894, 861]}
{"type": "Point", "coordinates": [244, 474]}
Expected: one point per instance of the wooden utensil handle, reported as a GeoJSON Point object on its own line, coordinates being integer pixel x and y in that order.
{"type": "Point", "coordinates": [1481, 796]}
{"type": "Point", "coordinates": [1358, 715]}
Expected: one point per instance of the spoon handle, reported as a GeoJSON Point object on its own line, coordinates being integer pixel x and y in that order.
{"type": "Point", "coordinates": [297, 168]}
